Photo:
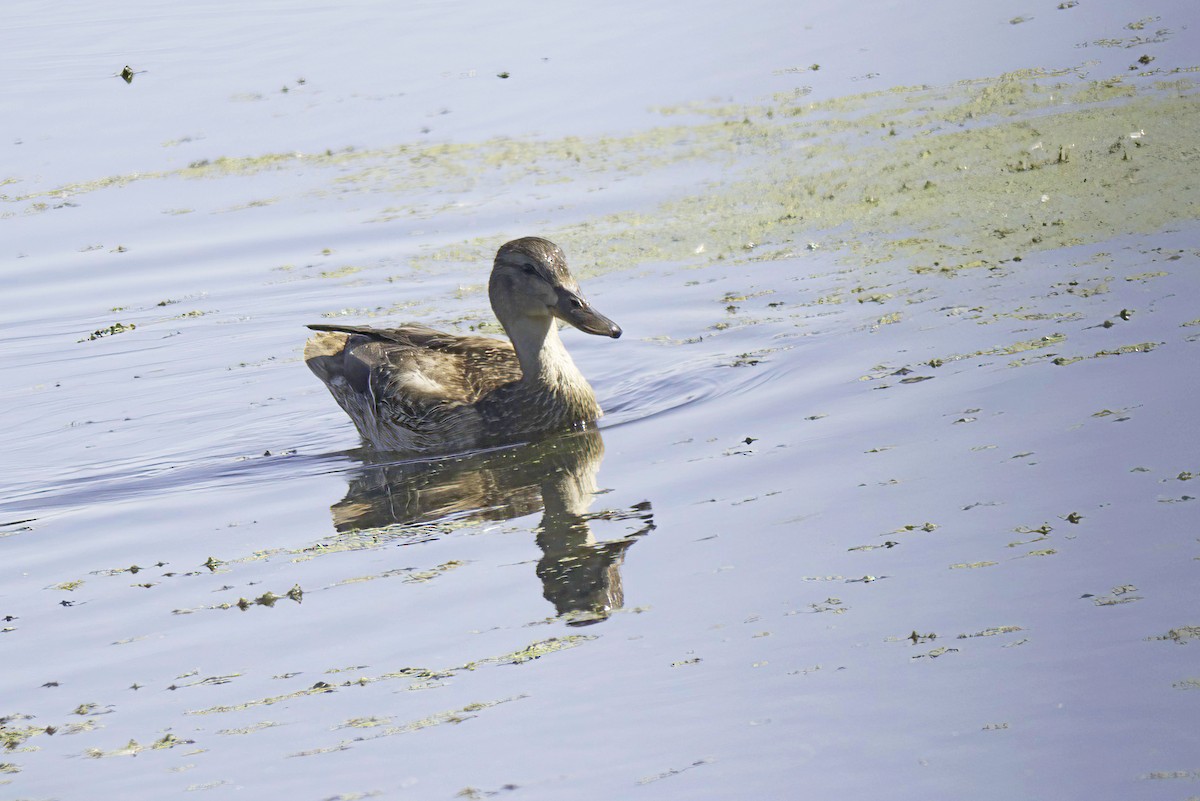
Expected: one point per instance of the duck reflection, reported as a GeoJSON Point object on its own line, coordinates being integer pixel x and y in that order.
{"type": "Point", "coordinates": [556, 476]}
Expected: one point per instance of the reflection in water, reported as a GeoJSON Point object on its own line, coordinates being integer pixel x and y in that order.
{"type": "Point", "coordinates": [557, 476]}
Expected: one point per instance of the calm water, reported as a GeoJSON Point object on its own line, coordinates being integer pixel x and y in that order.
{"type": "Point", "coordinates": [896, 493]}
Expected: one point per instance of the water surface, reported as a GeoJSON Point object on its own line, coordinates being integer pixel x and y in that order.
{"type": "Point", "coordinates": [896, 489]}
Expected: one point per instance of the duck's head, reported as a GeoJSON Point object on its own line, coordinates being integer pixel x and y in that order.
{"type": "Point", "coordinates": [530, 279]}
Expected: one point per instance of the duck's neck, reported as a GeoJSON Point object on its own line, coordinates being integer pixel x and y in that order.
{"type": "Point", "coordinates": [547, 369]}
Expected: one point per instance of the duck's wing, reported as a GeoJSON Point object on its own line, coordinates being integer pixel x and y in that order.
{"type": "Point", "coordinates": [410, 387]}
{"type": "Point", "coordinates": [411, 335]}
{"type": "Point", "coordinates": [387, 359]}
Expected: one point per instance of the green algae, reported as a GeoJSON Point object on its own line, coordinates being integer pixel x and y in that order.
{"type": "Point", "coordinates": [991, 632]}
{"type": "Point", "coordinates": [1181, 635]}
{"type": "Point", "coordinates": [365, 723]}
{"type": "Point", "coordinates": [133, 747]}
{"type": "Point", "coordinates": [267, 599]}
{"type": "Point", "coordinates": [251, 729]}
{"type": "Point", "coordinates": [347, 541]}
{"type": "Point", "coordinates": [935, 653]}
{"type": "Point", "coordinates": [423, 576]}
{"type": "Point", "coordinates": [112, 330]}
{"type": "Point", "coordinates": [967, 174]}
{"type": "Point", "coordinates": [341, 272]}
{"type": "Point", "coordinates": [451, 716]}
{"type": "Point", "coordinates": [67, 586]}
{"type": "Point", "coordinates": [964, 176]}
{"type": "Point", "coordinates": [408, 574]}
{"type": "Point", "coordinates": [1141, 347]}
{"type": "Point", "coordinates": [539, 649]}
{"type": "Point", "coordinates": [13, 737]}
{"type": "Point", "coordinates": [418, 678]}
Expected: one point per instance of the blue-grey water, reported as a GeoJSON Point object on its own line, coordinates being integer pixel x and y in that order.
{"type": "Point", "coordinates": [896, 493]}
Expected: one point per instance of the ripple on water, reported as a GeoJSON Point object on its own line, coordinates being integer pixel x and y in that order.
{"type": "Point", "coordinates": [694, 383]}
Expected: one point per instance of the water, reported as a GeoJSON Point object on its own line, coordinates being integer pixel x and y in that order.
{"type": "Point", "coordinates": [895, 489]}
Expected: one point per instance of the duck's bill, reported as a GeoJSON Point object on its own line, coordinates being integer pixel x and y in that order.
{"type": "Point", "coordinates": [573, 309]}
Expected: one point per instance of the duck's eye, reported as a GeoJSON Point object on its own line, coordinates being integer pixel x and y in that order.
{"type": "Point", "coordinates": [529, 269]}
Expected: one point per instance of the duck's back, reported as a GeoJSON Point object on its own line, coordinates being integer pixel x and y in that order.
{"type": "Point", "coordinates": [411, 389]}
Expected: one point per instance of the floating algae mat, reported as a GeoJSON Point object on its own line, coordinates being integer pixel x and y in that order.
{"type": "Point", "coordinates": [950, 178]}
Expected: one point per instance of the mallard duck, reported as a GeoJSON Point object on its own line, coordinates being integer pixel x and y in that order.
{"type": "Point", "coordinates": [415, 390]}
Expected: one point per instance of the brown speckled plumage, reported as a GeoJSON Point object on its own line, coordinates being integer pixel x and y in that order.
{"type": "Point", "coordinates": [415, 390]}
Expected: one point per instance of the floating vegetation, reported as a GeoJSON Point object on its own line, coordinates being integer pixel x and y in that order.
{"type": "Point", "coordinates": [67, 586]}
{"type": "Point", "coordinates": [365, 723]}
{"type": "Point", "coordinates": [13, 738]}
{"type": "Point", "coordinates": [1144, 347]}
{"type": "Point", "coordinates": [254, 727]}
{"type": "Point", "coordinates": [833, 605]}
{"type": "Point", "coordinates": [419, 678]}
{"type": "Point", "coordinates": [208, 681]}
{"type": "Point", "coordinates": [459, 715]}
{"type": "Point", "coordinates": [1014, 348]}
{"type": "Point", "coordinates": [992, 632]}
{"type": "Point", "coordinates": [112, 330]}
{"type": "Point", "coordinates": [410, 575]}
{"type": "Point", "coordinates": [1119, 596]}
{"type": "Point", "coordinates": [534, 651]}
{"type": "Point", "coordinates": [127, 74]}
{"type": "Point", "coordinates": [422, 576]}
{"type": "Point", "coordinates": [1181, 635]}
{"type": "Point", "coordinates": [1042, 531]}
{"type": "Point", "coordinates": [133, 748]}
{"type": "Point", "coordinates": [1032, 344]}
{"type": "Point", "coordinates": [341, 272]}
{"type": "Point", "coordinates": [267, 599]}
{"type": "Point", "coordinates": [885, 544]}
{"type": "Point", "coordinates": [935, 653]}
{"type": "Point", "coordinates": [356, 540]}
{"type": "Point", "coordinates": [826, 176]}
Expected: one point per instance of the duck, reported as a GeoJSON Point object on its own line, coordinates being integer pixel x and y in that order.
{"type": "Point", "coordinates": [418, 391]}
